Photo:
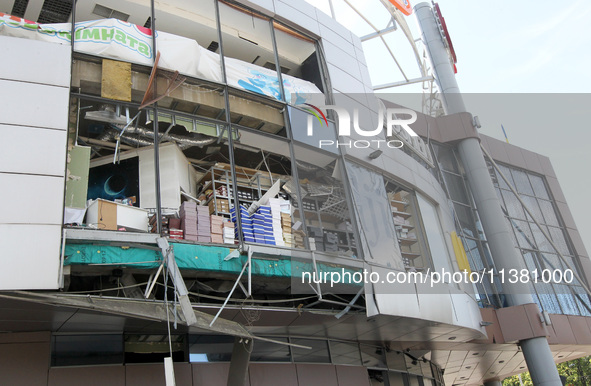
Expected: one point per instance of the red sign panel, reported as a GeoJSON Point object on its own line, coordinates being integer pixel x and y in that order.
{"type": "Point", "coordinates": [446, 33]}
{"type": "Point", "coordinates": [403, 6]}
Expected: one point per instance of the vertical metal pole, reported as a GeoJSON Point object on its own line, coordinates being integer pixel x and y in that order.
{"type": "Point", "coordinates": [156, 134]}
{"type": "Point", "coordinates": [277, 64]}
{"type": "Point", "coordinates": [536, 350]}
{"type": "Point", "coordinates": [73, 28]}
{"type": "Point", "coordinates": [230, 128]}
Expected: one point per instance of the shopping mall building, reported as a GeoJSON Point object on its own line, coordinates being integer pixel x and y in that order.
{"type": "Point", "coordinates": [164, 195]}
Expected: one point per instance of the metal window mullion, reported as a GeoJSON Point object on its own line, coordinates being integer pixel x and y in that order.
{"type": "Point", "coordinates": [155, 123]}
{"type": "Point", "coordinates": [276, 58]}
{"type": "Point", "coordinates": [229, 125]}
{"type": "Point", "coordinates": [295, 176]}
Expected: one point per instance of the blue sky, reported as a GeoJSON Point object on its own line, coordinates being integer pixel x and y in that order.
{"type": "Point", "coordinates": [516, 47]}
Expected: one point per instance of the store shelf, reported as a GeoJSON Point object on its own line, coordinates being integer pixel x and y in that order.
{"type": "Point", "coordinates": [407, 242]}
{"type": "Point", "coordinates": [404, 215]}
{"type": "Point", "coordinates": [410, 255]}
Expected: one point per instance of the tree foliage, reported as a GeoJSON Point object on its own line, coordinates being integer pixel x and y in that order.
{"type": "Point", "coordinates": [577, 373]}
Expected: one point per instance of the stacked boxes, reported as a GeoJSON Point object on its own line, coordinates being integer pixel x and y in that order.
{"type": "Point", "coordinates": [298, 238]}
{"type": "Point", "coordinates": [331, 241]}
{"type": "Point", "coordinates": [176, 234]}
{"type": "Point", "coordinates": [171, 226]}
{"type": "Point", "coordinates": [256, 228]}
{"type": "Point", "coordinates": [247, 224]}
{"type": "Point", "coordinates": [268, 225]}
{"type": "Point", "coordinates": [228, 232]}
{"type": "Point", "coordinates": [275, 204]}
{"type": "Point", "coordinates": [222, 190]}
{"type": "Point", "coordinates": [217, 229]}
{"type": "Point", "coordinates": [316, 239]}
{"type": "Point", "coordinates": [188, 215]}
{"type": "Point", "coordinates": [203, 225]}
{"type": "Point", "coordinates": [219, 205]}
{"type": "Point", "coordinates": [174, 228]}
{"type": "Point", "coordinates": [263, 226]}
{"type": "Point", "coordinates": [286, 230]}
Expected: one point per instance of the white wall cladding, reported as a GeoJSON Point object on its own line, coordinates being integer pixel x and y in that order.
{"type": "Point", "coordinates": [34, 89]}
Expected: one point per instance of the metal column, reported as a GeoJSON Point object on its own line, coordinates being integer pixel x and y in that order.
{"type": "Point", "coordinates": [536, 350]}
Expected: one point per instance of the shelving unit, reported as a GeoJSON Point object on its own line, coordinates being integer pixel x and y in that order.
{"type": "Point", "coordinates": [216, 184]}
{"type": "Point", "coordinates": [325, 227]}
{"type": "Point", "coordinates": [323, 212]}
{"type": "Point", "coordinates": [400, 203]}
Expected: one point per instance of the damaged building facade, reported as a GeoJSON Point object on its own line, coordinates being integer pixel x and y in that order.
{"type": "Point", "coordinates": [165, 192]}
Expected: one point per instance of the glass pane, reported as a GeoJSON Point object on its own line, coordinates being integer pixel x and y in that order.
{"type": "Point", "coordinates": [464, 214]}
{"type": "Point", "coordinates": [211, 348]}
{"type": "Point", "coordinates": [373, 356]}
{"type": "Point", "coordinates": [257, 113]}
{"type": "Point", "coordinates": [548, 298]}
{"type": "Point", "coordinates": [531, 260]}
{"type": "Point", "coordinates": [396, 360]}
{"type": "Point", "coordinates": [322, 137]}
{"type": "Point", "coordinates": [582, 300]}
{"type": "Point", "coordinates": [539, 186]}
{"type": "Point", "coordinates": [559, 240]}
{"type": "Point", "coordinates": [572, 264]}
{"type": "Point", "coordinates": [414, 381]}
{"type": "Point", "coordinates": [513, 206]}
{"type": "Point", "coordinates": [248, 51]}
{"type": "Point", "coordinates": [541, 240]}
{"type": "Point", "coordinates": [566, 299]}
{"type": "Point", "coordinates": [522, 182]}
{"type": "Point", "coordinates": [552, 261]}
{"type": "Point", "coordinates": [446, 158]}
{"type": "Point", "coordinates": [193, 20]}
{"type": "Point", "coordinates": [507, 173]}
{"type": "Point", "coordinates": [532, 204]}
{"type": "Point", "coordinates": [413, 366]}
{"type": "Point", "coordinates": [404, 211]}
{"type": "Point", "coordinates": [343, 353]}
{"type": "Point", "coordinates": [435, 236]}
{"type": "Point", "coordinates": [78, 350]}
{"type": "Point", "coordinates": [299, 63]}
{"type": "Point", "coordinates": [188, 39]}
{"type": "Point", "coordinates": [549, 212]}
{"type": "Point", "coordinates": [395, 379]}
{"type": "Point", "coordinates": [377, 377]}
{"type": "Point", "coordinates": [375, 213]}
{"type": "Point", "coordinates": [473, 253]}
{"type": "Point", "coordinates": [153, 348]}
{"type": "Point", "coordinates": [524, 235]}
{"type": "Point", "coordinates": [263, 351]}
{"type": "Point", "coordinates": [318, 353]}
{"type": "Point", "coordinates": [455, 186]}
{"type": "Point", "coordinates": [326, 209]}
